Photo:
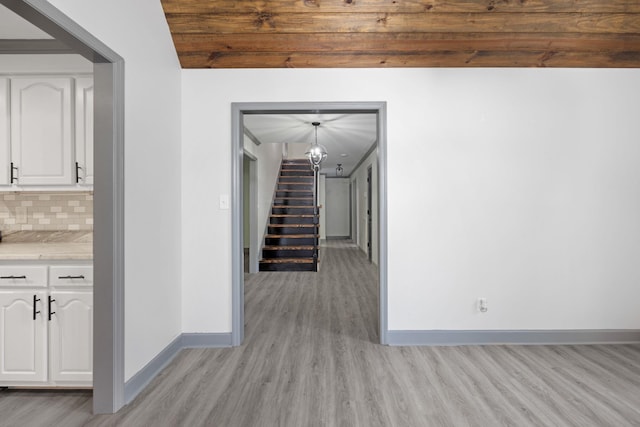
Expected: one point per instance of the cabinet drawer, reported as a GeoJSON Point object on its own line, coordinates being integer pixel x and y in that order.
{"type": "Point", "coordinates": [23, 276]}
{"type": "Point", "coordinates": [71, 276]}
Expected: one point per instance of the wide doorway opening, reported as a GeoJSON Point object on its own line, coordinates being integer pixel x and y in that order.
{"type": "Point", "coordinates": [63, 36]}
{"type": "Point", "coordinates": [279, 133]}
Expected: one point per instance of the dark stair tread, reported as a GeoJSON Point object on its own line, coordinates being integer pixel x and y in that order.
{"type": "Point", "coordinates": [292, 216]}
{"type": "Point", "coordinates": [291, 206]}
{"type": "Point", "coordinates": [292, 236]}
{"type": "Point", "coordinates": [289, 248]}
{"type": "Point", "coordinates": [292, 225]}
{"type": "Point", "coordinates": [294, 198]}
{"type": "Point", "coordinates": [288, 260]}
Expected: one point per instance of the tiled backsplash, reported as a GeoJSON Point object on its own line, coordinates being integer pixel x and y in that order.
{"type": "Point", "coordinates": [46, 211]}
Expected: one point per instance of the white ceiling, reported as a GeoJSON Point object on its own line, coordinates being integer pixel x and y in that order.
{"type": "Point", "coordinates": [352, 135]}
{"type": "Point", "coordinates": [13, 26]}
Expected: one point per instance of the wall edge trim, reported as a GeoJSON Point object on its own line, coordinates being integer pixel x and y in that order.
{"type": "Point", "coordinates": [137, 383]}
{"type": "Point", "coordinates": [505, 337]}
{"type": "Point", "coordinates": [207, 340]}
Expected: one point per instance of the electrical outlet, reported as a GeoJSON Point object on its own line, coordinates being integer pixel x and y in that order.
{"type": "Point", "coordinates": [482, 305]}
{"type": "Point", "coordinates": [224, 201]}
{"type": "Point", "coordinates": [21, 215]}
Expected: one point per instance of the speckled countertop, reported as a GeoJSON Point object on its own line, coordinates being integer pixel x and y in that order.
{"type": "Point", "coordinates": [43, 245]}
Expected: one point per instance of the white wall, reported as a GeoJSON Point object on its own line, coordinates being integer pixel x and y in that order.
{"type": "Point", "coordinates": [269, 159]}
{"type": "Point", "coordinates": [519, 185]}
{"type": "Point", "coordinates": [322, 210]}
{"type": "Point", "coordinates": [360, 176]}
{"type": "Point", "coordinates": [337, 207]}
{"type": "Point", "coordinates": [296, 151]}
{"type": "Point", "coordinates": [206, 228]}
{"type": "Point", "coordinates": [152, 168]}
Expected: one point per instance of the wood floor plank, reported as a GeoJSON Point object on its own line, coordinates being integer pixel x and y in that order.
{"type": "Point", "coordinates": [311, 358]}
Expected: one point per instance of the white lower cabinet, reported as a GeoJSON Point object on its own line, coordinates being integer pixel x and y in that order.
{"type": "Point", "coordinates": [23, 337]}
{"type": "Point", "coordinates": [70, 336]}
{"type": "Point", "coordinates": [46, 333]}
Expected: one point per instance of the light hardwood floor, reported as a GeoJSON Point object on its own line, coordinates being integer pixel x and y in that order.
{"type": "Point", "coordinates": [311, 358]}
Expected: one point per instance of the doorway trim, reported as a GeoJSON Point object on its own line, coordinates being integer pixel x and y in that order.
{"type": "Point", "coordinates": [238, 110]}
{"type": "Point", "coordinates": [254, 246]}
{"type": "Point", "coordinates": [108, 247]}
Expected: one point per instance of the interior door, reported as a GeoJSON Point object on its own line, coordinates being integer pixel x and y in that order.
{"type": "Point", "coordinates": [369, 215]}
{"type": "Point", "coordinates": [354, 211]}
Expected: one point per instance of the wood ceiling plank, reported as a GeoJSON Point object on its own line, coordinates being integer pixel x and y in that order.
{"type": "Point", "coordinates": [412, 33]}
{"type": "Point", "coordinates": [432, 59]}
{"type": "Point", "coordinates": [212, 44]}
{"type": "Point", "coordinates": [402, 6]}
{"type": "Point", "coordinates": [259, 23]}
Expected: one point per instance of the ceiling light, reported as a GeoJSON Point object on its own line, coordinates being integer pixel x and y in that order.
{"type": "Point", "coordinates": [339, 170]}
{"type": "Point", "coordinates": [316, 152]}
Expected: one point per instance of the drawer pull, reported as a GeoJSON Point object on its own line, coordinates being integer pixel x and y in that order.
{"type": "Point", "coordinates": [71, 277]}
{"type": "Point", "coordinates": [13, 178]}
{"type": "Point", "coordinates": [51, 313]}
{"type": "Point", "coordinates": [12, 277]}
{"type": "Point", "coordinates": [35, 300]}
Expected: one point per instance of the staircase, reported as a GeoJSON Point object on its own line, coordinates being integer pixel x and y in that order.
{"type": "Point", "coordinates": [291, 243]}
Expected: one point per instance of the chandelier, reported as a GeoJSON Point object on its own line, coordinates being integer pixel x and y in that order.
{"type": "Point", "coordinates": [316, 152]}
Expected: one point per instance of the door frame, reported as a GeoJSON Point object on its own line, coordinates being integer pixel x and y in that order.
{"type": "Point", "coordinates": [254, 244]}
{"type": "Point", "coordinates": [108, 246]}
{"type": "Point", "coordinates": [238, 110]}
{"type": "Point", "coordinates": [353, 210]}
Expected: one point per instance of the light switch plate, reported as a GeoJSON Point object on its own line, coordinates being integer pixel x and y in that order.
{"type": "Point", "coordinates": [224, 201]}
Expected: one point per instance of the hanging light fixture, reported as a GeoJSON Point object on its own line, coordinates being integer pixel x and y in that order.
{"type": "Point", "coordinates": [316, 152]}
{"type": "Point", "coordinates": [339, 170]}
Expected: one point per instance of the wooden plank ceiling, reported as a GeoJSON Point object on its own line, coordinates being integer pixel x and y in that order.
{"type": "Point", "coordinates": [405, 33]}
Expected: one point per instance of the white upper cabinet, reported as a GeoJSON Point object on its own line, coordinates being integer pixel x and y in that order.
{"type": "Point", "coordinates": [41, 130]}
{"type": "Point", "coordinates": [5, 154]}
{"type": "Point", "coordinates": [84, 130]}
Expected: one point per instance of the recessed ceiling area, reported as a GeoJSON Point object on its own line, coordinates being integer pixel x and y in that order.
{"type": "Point", "coordinates": [347, 137]}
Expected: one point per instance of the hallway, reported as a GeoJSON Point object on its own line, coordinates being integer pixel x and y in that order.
{"type": "Point", "coordinates": [311, 358]}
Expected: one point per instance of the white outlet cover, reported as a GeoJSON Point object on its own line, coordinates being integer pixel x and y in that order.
{"type": "Point", "coordinates": [224, 201]}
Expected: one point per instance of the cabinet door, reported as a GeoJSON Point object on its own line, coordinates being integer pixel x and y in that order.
{"type": "Point", "coordinates": [41, 139]}
{"type": "Point", "coordinates": [84, 130]}
{"type": "Point", "coordinates": [23, 340]}
{"type": "Point", "coordinates": [5, 154]}
{"type": "Point", "coordinates": [71, 337]}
